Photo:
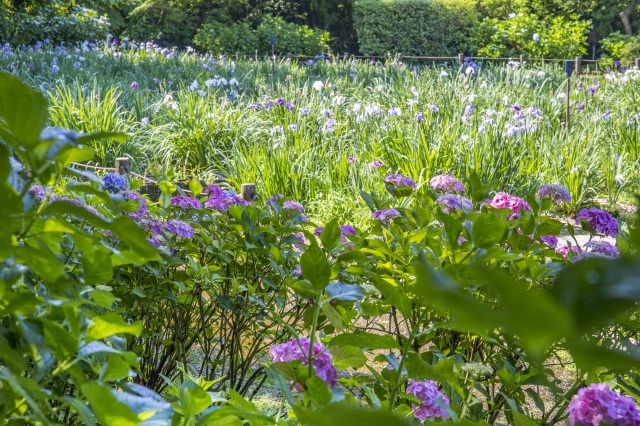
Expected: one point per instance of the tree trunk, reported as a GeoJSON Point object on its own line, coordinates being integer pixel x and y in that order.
{"type": "Point", "coordinates": [624, 17]}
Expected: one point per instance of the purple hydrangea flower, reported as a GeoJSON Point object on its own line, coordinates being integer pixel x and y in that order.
{"type": "Point", "coordinates": [454, 202]}
{"type": "Point", "coordinates": [154, 241]}
{"type": "Point", "coordinates": [318, 231]}
{"type": "Point", "coordinates": [134, 85]}
{"type": "Point", "coordinates": [603, 247]}
{"type": "Point", "coordinates": [550, 240]}
{"type": "Point", "coordinates": [142, 204]}
{"type": "Point", "coordinates": [400, 180]}
{"type": "Point", "coordinates": [179, 228]}
{"type": "Point", "coordinates": [558, 194]}
{"type": "Point", "coordinates": [66, 199]}
{"type": "Point", "coordinates": [292, 205]}
{"type": "Point", "coordinates": [113, 182]}
{"type": "Point", "coordinates": [299, 351]}
{"type": "Point", "coordinates": [564, 250]}
{"type": "Point", "coordinates": [185, 202]}
{"type": "Point", "coordinates": [348, 230]}
{"type": "Point", "coordinates": [39, 191]}
{"type": "Point", "coordinates": [502, 200]}
{"type": "Point", "coordinates": [599, 220]}
{"type": "Point", "coordinates": [446, 183]}
{"type": "Point", "coordinates": [598, 404]}
{"type": "Point", "coordinates": [220, 199]}
{"type": "Point", "coordinates": [274, 199]}
{"type": "Point", "coordinates": [428, 392]}
{"type": "Point", "coordinates": [386, 214]}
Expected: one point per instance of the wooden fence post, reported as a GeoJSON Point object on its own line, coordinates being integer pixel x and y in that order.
{"type": "Point", "coordinates": [399, 57]}
{"type": "Point", "coordinates": [123, 166]}
{"type": "Point", "coordinates": [578, 64]}
{"type": "Point", "coordinates": [237, 56]}
{"type": "Point", "coordinates": [248, 192]}
{"type": "Point", "coordinates": [521, 59]}
{"type": "Point", "coordinates": [637, 62]}
{"type": "Point", "coordinates": [289, 56]}
{"type": "Point", "coordinates": [460, 58]}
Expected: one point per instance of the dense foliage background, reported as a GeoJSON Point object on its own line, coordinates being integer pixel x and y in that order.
{"type": "Point", "coordinates": [533, 28]}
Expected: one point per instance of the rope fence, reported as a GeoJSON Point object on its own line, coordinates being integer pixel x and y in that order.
{"type": "Point", "coordinates": [123, 167]}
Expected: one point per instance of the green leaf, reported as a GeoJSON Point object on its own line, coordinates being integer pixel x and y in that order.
{"type": "Point", "coordinates": [345, 356]}
{"type": "Point", "coordinates": [195, 187]}
{"type": "Point", "coordinates": [315, 267]}
{"type": "Point", "coordinates": [452, 227]}
{"type": "Point", "coordinates": [340, 414]}
{"type": "Point", "coordinates": [92, 137]}
{"type": "Point", "coordinates": [365, 341]}
{"type": "Point", "coordinates": [106, 406]}
{"type": "Point", "coordinates": [116, 368]}
{"type": "Point", "coordinates": [167, 188]}
{"type": "Point", "coordinates": [23, 113]}
{"type": "Point", "coordinates": [318, 390]}
{"type": "Point", "coordinates": [102, 298]}
{"type": "Point", "coordinates": [42, 261]}
{"type": "Point", "coordinates": [333, 316]}
{"type": "Point", "coordinates": [487, 230]}
{"type": "Point", "coordinates": [331, 235]}
{"type": "Point", "coordinates": [193, 400]}
{"type": "Point", "coordinates": [109, 324]}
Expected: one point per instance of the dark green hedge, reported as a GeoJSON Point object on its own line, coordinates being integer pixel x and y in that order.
{"type": "Point", "coordinates": [415, 27]}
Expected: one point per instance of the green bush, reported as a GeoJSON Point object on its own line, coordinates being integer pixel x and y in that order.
{"type": "Point", "coordinates": [167, 23]}
{"type": "Point", "coordinates": [55, 22]}
{"type": "Point", "coordinates": [527, 34]}
{"type": "Point", "coordinates": [290, 38]}
{"type": "Point", "coordinates": [415, 27]}
{"type": "Point", "coordinates": [620, 47]}
{"type": "Point", "coordinates": [223, 38]}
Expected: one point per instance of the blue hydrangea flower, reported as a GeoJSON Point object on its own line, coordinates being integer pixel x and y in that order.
{"type": "Point", "coordinates": [113, 182]}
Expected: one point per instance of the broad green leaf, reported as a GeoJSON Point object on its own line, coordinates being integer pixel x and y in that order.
{"type": "Point", "coordinates": [487, 230]}
{"type": "Point", "coordinates": [106, 406]}
{"type": "Point", "coordinates": [334, 317]}
{"type": "Point", "coordinates": [330, 235]}
{"type": "Point", "coordinates": [23, 113]}
{"type": "Point", "coordinates": [195, 187]}
{"type": "Point", "coordinates": [345, 292]}
{"type": "Point", "coordinates": [315, 267]}
{"type": "Point", "coordinates": [102, 298]}
{"type": "Point", "coordinates": [116, 368]}
{"type": "Point", "coordinates": [337, 414]}
{"type": "Point", "coordinates": [345, 357]}
{"type": "Point", "coordinates": [109, 324]}
{"type": "Point", "coordinates": [167, 188]}
{"type": "Point", "coordinates": [114, 136]}
{"type": "Point", "coordinates": [365, 341]}
{"type": "Point", "coordinates": [193, 400]}
{"type": "Point", "coordinates": [318, 390]}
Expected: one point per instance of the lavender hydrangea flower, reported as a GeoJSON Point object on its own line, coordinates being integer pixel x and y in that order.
{"type": "Point", "coordinates": [400, 180]}
{"type": "Point", "coordinates": [185, 202]}
{"type": "Point", "coordinates": [558, 194]}
{"type": "Point", "coordinates": [113, 182]}
{"type": "Point", "coordinates": [565, 249]}
{"type": "Point", "coordinates": [386, 214]}
{"type": "Point", "coordinates": [179, 228]}
{"type": "Point", "coordinates": [428, 392]}
{"type": "Point", "coordinates": [220, 199]}
{"type": "Point", "coordinates": [502, 200]}
{"type": "Point", "coordinates": [292, 205]}
{"type": "Point", "coordinates": [454, 202]}
{"type": "Point", "coordinates": [152, 225]}
{"type": "Point", "coordinates": [299, 351]}
{"type": "Point", "coordinates": [599, 220]}
{"type": "Point", "coordinates": [446, 183]}
{"type": "Point", "coordinates": [599, 404]}
{"type": "Point", "coordinates": [154, 241]}
{"type": "Point", "coordinates": [274, 199]}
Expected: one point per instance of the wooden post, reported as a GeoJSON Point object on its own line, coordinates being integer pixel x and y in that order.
{"type": "Point", "coordinates": [637, 62]}
{"type": "Point", "coordinates": [568, 103]}
{"type": "Point", "coordinates": [289, 56]}
{"type": "Point", "coordinates": [248, 192]}
{"type": "Point", "coordinates": [123, 165]}
{"type": "Point", "coordinates": [353, 57]}
{"type": "Point", "coordinates": [399, 57]}
{"type": "Point", "coordinates": [521, 59]}
{"type": "Point", "coordinates": [578, 63]}
{"type": "Point", "coordinates": [460, 58]}
{"type": "Point", "coordinates": [237, 56]}
{"type": "Point", "coordinates": [346, 56]}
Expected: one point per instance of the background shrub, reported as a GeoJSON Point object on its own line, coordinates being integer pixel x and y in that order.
{"type": "Point", "coordinates": [223, 38]}
{"type": "Point", "coordinates": [620, 47]}
{"type": "Point", "coordinates": [291, 38]}
{"type": "Point", "coordinates": [415, 27]}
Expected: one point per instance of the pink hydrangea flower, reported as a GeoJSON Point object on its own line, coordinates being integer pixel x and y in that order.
{"type": "Point", "coordinates": [564, 250]}
{"type": "Point", "coordinates": [446, 183]}
{"type": "Point", "coordinates": [400, 180]}
{"type": "Point", "coordinates": [558, 194]}
{"type": "Point", "coordinates": [386, 214]}
{"type": "Point", "coordinates": [598, 404]}
{"type": "Point", "coordinates": [599, 220]}
{"type": "Point", "coordinates": [502, 200]}
{"type": "Point", "coordinates": [299, 351]}
{"type": "Point", "coordinates": [428, 392]}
